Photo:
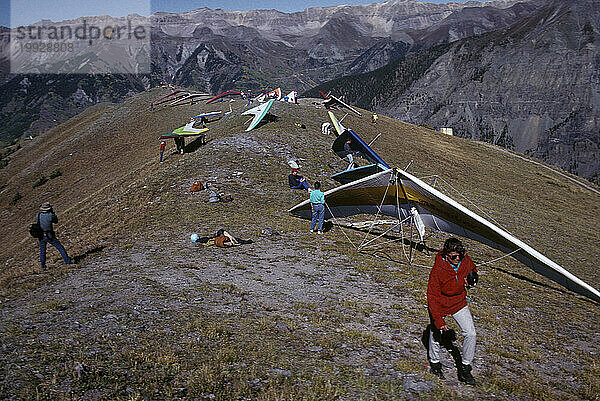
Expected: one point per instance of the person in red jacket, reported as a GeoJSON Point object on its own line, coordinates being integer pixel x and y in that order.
{"type": "Point", "coordinates": [452, 273]}
{"type": "Point", "coordinates": [163, 146]}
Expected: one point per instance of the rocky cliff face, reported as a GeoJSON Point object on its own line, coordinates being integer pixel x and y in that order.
{"type": "Point", "coordinates": [533, 87]}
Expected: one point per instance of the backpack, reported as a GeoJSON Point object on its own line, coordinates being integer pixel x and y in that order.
{"type": "Point", "coordinates": [197, 186]}
{"type": "Point", "coordinates": [220, 241]}
{"type": "Point", "coordinates": [35, 230]}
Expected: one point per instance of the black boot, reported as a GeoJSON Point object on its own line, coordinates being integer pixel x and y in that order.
{"type": "Point", "coordinates": [436, 369]}
{"type": "Point", "coordinates": [464, 374]}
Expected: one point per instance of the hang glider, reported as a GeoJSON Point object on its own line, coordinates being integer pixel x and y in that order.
{"type": "Point", "coordinates": [185, 131]}
{"type": "Point", "coordinates": [274, 94]}
{"type": "Point", "coordinates": [362, 149]}
{"type": "Point", "coordinates": [259, 113]}
{"type": "Point", "coordinates": [223, 94]}
{"type": "Point", "coordinates": [171, 96]}
{"type": "Point", "coordinates": [190, 97]}
{"type": "Point", "coordinates": [291, 97]}
{"type": "Point", "coordinates": [332, 101]}
{"type": "Point", "coordinates": [395, 192]}
{"type": "Point", "coordinates": [209, 117]}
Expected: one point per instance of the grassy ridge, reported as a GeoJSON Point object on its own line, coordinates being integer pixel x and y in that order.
{"type": "Point", "coordinates": [294, 316]}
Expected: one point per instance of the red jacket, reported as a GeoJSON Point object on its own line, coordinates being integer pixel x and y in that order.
{"type": "Point", "coordinates": [446, 293]}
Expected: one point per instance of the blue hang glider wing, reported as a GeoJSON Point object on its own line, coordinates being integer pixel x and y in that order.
{"type": "Point", "coordinates": [361, 148]}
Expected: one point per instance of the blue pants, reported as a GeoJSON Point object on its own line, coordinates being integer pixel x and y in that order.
{"type": "Point", "coordinates": [318, 213]}
{"type": "Point", "coordinates": [303, 184]}
{"type": "Point", "coordinates": [55, 243]}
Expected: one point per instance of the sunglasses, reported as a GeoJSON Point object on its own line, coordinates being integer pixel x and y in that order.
{"type": "Point", "coordinates": [453, 257]}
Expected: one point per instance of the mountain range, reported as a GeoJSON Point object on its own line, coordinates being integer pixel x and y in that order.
{"type": "Point", "coordinates": [532, 87]}
{"type": "Point", "coordinates": [435, 64]}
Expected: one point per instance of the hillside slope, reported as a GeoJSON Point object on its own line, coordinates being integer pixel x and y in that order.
{"type": "Point", "coordinates": [298, 316]}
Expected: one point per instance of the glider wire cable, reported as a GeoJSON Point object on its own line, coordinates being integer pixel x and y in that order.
{"type": "Point", "coordinates": [376, 216]}
{"type": "Point", "coordinates": [501, 257]}
{"type": "Point", "coordinates": [401, 220]}
{"type": "Point", "coordinates": [486, 214]}
{"type": "Point", "coordinates": [489, 262]}
{"type": "Point", "coordinates": [339, 225]}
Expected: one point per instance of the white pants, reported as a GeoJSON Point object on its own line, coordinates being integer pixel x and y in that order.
{"type": "Point", "coordinates": [465, 321]}
{"type": "Point", "coordinates": [350, 161]}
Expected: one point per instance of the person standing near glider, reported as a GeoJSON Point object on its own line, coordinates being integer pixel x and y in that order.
{"type": "Point", "coordinates": [317, 203]}
{"type": "Point", "coordinates": [203, 121]}
{"type": "Point", "coordinates": [163, 146]}
{"type": "Point", "coordinates": [451, 274]}
{"type": "Point", "coordinates": [349, 152]}
{"type": "Point", "coordinates": [45, 218]}
{"type": "Point", "coordinates": [180, 143]}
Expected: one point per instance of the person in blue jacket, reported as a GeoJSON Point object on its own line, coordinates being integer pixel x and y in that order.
{"type": "Point", "coordinates": [317, 202]}
{"type": "Point", "coordinates": [46, 218]}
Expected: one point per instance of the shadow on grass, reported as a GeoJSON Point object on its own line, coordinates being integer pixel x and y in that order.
{"type": "Point", "coordinates": [269, 118]}
{"type": "Point", "coordinates": [414, 245]}
{"type": "Point", "coordinates": [547, 286]}
{"type": "Point", "coordinates": [379, 253]}
{"type": "Point", "coordinates": [195, 144]}
{"type": "Point", "coordinates": [446, 340]}
{"type": "Point", "coordinates": [77, 259]}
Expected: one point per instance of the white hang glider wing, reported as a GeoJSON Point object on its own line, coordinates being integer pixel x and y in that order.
{"type": "Point", "coordinates": [290, 97]}
{"type": "Point", "coordinates": [259, 113]}
{"type": "Point", "coordinates": [334, 101]}
{"type": "Point", "coordinates": [185, 131]}
{"type": "Point", "coordinates": [191, 97]}
{"type": "Point", "coordinates": [210, 116]}
{"type": "Point", "coordinates": [224, 94]}
{"type": "Point", "coordinates": [178, 94]}
{"type": "Point", "coordinates": [395, 192]}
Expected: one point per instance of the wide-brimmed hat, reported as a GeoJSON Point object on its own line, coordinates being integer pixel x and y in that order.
{"type": "Point", "coordinates": [46, 207]}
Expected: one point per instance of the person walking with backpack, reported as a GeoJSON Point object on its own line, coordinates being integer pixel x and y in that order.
{"type": "Point", "coordinates": [46, 218]}
{"type": "Point", "coordinates": [451, 275]}
{"type": "Point", "coordinates": [317, 203]}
